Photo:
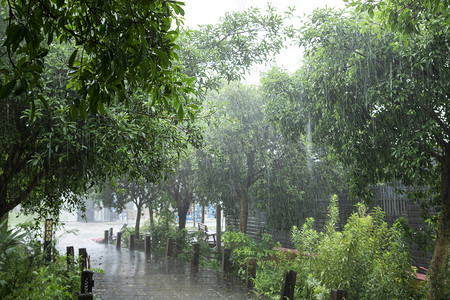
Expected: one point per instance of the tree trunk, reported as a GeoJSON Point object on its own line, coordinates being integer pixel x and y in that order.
{"type": "Point", "coordinates": [152, 218]}
{"type": "Point", "coordinates": [438, 264]}
{"type": "Point", "coordinates": [182, 218]}
{"type": "Point", "coordinates": [203, 214]}
{"type": "Point", "coordinates": [138, 222]}
{"type": "Point", "coordinates": [3, 209]}
{"type": "Point", "coordinates": [4, 218]}
{"type": "Point", "coordinates": [193, 214]}
{"type": "Point", "coordinates": [182, 211]}
{"type": "Point", "coordinates": [244, 213]}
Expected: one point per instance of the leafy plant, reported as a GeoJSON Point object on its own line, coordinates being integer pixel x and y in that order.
{"type": "Point", "coordinates": [25, 274]}
{"type": "Point", "coordinates": [10, 241]}
{"type": "Point", "coordinates": [243, 247]}
{"type": "Point", "coordinates": [367, 258]}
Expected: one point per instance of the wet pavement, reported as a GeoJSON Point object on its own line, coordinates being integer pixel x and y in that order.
{"type": "Point", "coordinates": [131, 275]}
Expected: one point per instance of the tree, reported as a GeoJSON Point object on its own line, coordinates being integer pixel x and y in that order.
{"type": "Point", "coordinates": [215, 53]}
{"type": "Point", "coordinates": [304, 175]}
{"type": "Point", "coordinates": [245, 148]}
{"type": "Point", "coordinates": [115, 54]}
{"type": "Point", "coordinates": [381, 108]}
{"type": "Point", "coordinates": [118, 47]}
{"type": "Point", "coordinates": [181, 187]}
{"type": "Point", "coordinates": [228, 49]}
{"type": "Point", "coordinates": [139, 192]}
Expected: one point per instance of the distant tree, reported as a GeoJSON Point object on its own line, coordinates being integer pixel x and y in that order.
{"type": "Point", "coordinates": [181, 186]}
{"type": "Point", "coordinates": [245, 147]}
{"type": "Point", "coordinates": [139, 192]}
{"type": "Point", "coordinates": [212, 54]}
{"type": "Point", "coordinates": [227, 50]}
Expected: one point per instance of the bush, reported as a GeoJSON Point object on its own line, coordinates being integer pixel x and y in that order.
{"type": "Point", "coordinates": [24, 274]}
{"type": "Point", "coordinates": [367, 258]}
{"type": "Point", "coordinates": [243, 247]}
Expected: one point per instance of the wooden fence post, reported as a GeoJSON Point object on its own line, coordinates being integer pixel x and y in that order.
{"type": "Point", "coordinates": [106, 239]}
{"type": "Point", "coordinates": [338, 294]}
{"type": "Point", "coordinates": [251, 272]}
{"type": "Point", "coordinates": [119, 240]}
{"type": "Point", "coordinates": [195, 257]}
{"type": "Point", "coordinates": [48, 232]}
{"type": "Point", "coordinates": [148, 246]}
{"type": "Point", "coordinates": [132, 242]}
{"type": "Point", "coordinates": [70, 255]}
{"type": "Point", "coordinates": [287, 291]}
{"type": "Point", "coordinates": [87, 281]}
{"type": "Point", "coordinates": [83, 263]}
{"type": "Point", "coordinates": [226, 264]}
{"type": "Point", "coordinates": [169, 248]}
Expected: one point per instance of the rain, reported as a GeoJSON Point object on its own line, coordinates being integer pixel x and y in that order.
{"type": "Point", "coordinates": [244, 149]}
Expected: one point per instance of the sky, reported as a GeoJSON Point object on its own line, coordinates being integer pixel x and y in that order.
{"type": "Point", "coordinates": [199, 12]}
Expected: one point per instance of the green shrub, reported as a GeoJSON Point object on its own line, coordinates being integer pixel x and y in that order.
{"type": "Point", "coordinates": [367, 258]}
{"type": "Point", "coordinates": [24, 274]}
{"type": "Point", "coordinates": [243, 247]}
{"type": "Point", "coordinates": [30, 278]}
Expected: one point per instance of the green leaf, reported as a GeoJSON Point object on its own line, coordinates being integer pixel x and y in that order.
{"type": "Point", "coordinates": [73, 111]}
{"type": "Point", "coordinates": [72, 58]}
{"type": "Point", "coordinates": [153, 67]}
{"type": "Point", "coordinates": [101, 107]}
{"type": "Point", "coordinates": [43, 101]}
{"type": "Point", "coordinates": [5, 91]}
{"type": "Point", "coordinates": [32, 111]}
{"type": "Point", "coordinates": [180, 112]}
{"type": "Point", "coordinates": [12, 34]}
{"type": "Point", "coordinates": [162, 57]}
{"type": "Point", "coordinates": [83, 109]}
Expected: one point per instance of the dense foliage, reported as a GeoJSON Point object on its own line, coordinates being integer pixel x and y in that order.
{"type": "Point", "coordinates": [109, 63]}
{"type": "Point", "coordinates": [367, 258]}
{"type": "Point", "coordinates": [379, 106]}
{"type": "Point", "coordinates": [24, 273]}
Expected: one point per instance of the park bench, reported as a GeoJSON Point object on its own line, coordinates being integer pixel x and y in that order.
{"type": "Point", "coordinates": [207, 234]}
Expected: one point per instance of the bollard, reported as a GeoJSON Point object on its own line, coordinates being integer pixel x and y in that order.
{"type": "Point", "coordinates": [132, 240]}
{"type": "Point", "coordinates": [119, 240]}
{"type": "Point", "coordinates": [105, 240]}
{"type": "Point", "coordinates": [70, 255]}
{"type": "Point", "coordinates": [338, 294]}
{"type": "Point", "coordinates": [251, 272]}
{"type": "Point", "coordinates": [226, 264]}
{"type": "Point", "coordinates": [148, 246]}
{"type": "Point", "coordinates": [83, 262]}
{"type": "Point", "coordinates": [87, 281]}
{"type": "Point", "coordinates": [195, 257]}
{"type": "Point", "coordinates": [287, 291]}
{"type": "Point", "coordinates": [86, 296]}
{"type": "Point", "coordinates": [48, 232]}
{"type": "Point", "coordinates": [169, 248]}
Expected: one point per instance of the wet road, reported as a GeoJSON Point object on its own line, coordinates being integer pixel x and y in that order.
{"type": "Point", "coordinates": [130, 275]}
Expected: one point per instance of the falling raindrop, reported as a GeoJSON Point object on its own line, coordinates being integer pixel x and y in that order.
{"type": "Point", "coordinates": [49, 146]}
{"type": "Point", "coordinates": [390, 77]}
{"type": "Point", "coordinates": [309, 145]}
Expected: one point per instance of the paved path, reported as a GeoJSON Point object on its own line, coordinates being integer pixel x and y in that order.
{"type": "Point", "coordinates": [130, 275]}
